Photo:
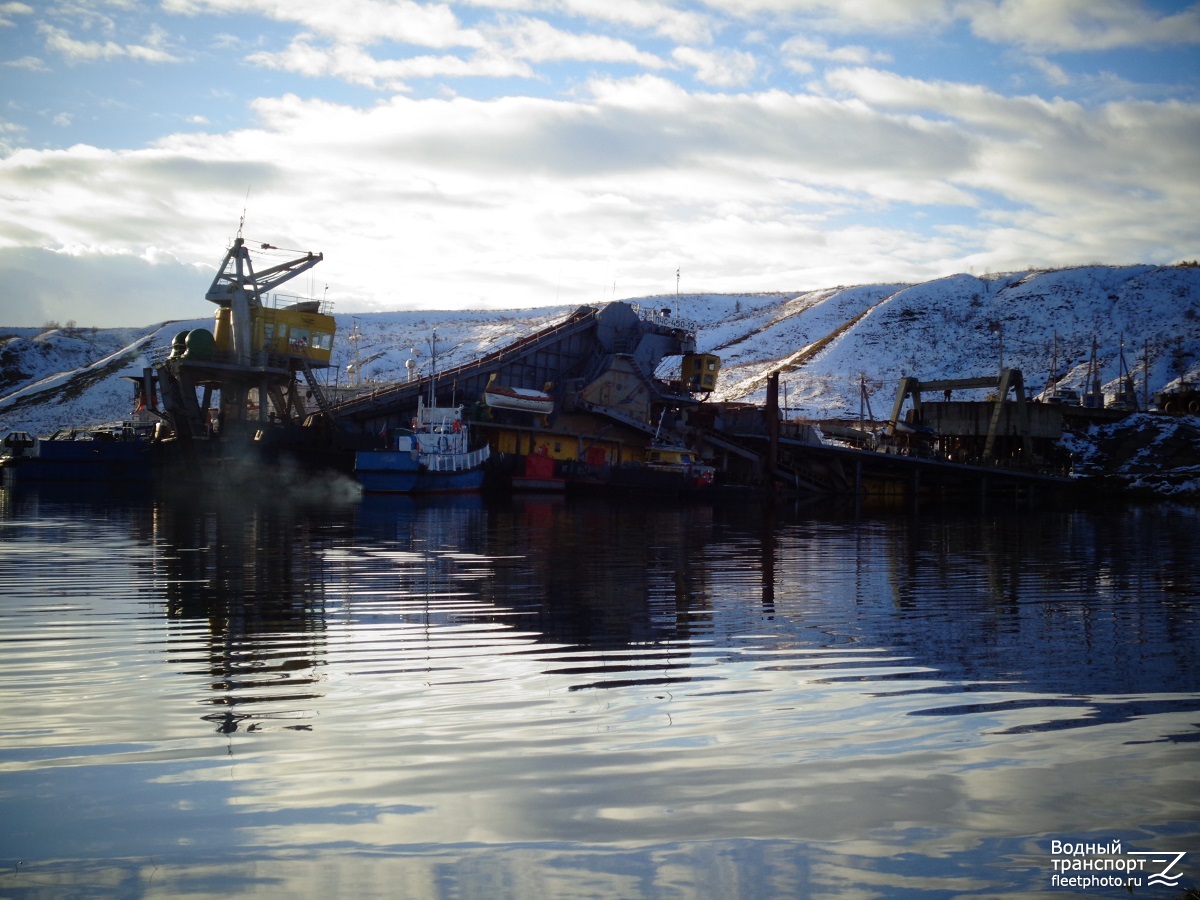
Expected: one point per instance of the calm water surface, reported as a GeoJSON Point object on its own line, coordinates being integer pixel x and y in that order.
{"type": "Point", "coordinates": [541, 698]}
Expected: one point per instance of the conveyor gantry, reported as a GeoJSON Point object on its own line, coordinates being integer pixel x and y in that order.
{"type": "Point", "coordinates": [561, 359]}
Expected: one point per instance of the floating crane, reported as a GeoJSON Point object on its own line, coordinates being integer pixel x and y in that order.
{"type": "Point", "coordinates": [252, 356]}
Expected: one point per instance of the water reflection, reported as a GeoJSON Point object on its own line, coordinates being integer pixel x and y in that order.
{"type": "Point", "coordinates": [966, 597]}
{"type": "Point", "coordinates": [253, 575]}
{"type": "Point", "coordinates": [1069, 603]}
{"type": "Point", "coordinates": [605, 576]}
{"type": "Point", "coordinates": [1060, 606]}
{"type": "Point", "coordinates": [551, 698]}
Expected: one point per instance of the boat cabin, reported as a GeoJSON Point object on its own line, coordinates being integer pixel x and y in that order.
{"type": "Point", "coordinates": [295, 331]}
{"type": "Point", "coordinates": [699, 371]}
{"type": "Point", "coordinates": [433, 430]}
{"type": "Point", "coordinates": [669, 456]}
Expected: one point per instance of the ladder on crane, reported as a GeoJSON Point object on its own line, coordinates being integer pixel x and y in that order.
{"type": "Point", "coordinates": [317, 391]}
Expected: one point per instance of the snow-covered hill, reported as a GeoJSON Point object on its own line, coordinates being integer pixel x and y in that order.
{"type": "Point", "coordinates": [831, 341]}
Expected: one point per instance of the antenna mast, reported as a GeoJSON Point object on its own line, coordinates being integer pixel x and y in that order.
{"type": "Point", "coordinates": [242, 220]}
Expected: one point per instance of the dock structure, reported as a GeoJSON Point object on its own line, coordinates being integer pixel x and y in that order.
{"type": "Point", "coordinates": [960, 448]}
{"type": "Point", "coordinates": [598, 374]}
{"type": "Point", "coordinates": [808, 466]}
{"type": "Point", "coordinates": [598, 359]}
{"type": "Point", "coordinates": [1014, 414]}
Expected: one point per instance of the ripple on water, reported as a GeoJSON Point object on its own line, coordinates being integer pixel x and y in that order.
{"type": "Point", "coordinates": [657, 701]}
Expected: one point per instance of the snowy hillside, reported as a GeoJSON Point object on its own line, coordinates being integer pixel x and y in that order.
{"type": "Point", "coordinates": [829, 341]}
{"type": "Point", "coordinates": [954, 327]}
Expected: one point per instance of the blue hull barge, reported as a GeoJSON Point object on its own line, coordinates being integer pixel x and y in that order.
{"type": "Point", "coordinates": [100, 457]}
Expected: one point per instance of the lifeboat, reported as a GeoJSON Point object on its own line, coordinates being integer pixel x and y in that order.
{"type": "Point", "coordinates": [521, 399]}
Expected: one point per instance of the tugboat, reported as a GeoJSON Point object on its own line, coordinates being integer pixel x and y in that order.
{"type": "Point", "coordinates": [668, 467]}
{"type": "Point", "coordinates": [434, 456]}
{"type": "Point", "coordinates": [676, 460]}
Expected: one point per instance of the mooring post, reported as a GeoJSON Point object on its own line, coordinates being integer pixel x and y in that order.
{"type": "Point", "coordinates": [772, 414]}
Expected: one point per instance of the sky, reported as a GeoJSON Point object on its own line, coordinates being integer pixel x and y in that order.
{"type": "Point", "coordinates": [521, 153]}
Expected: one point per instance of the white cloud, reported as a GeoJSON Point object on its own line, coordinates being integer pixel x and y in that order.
{"type": "Point", "coordinates": [1053, 73]}
{"type": "Point", "coordinates": [464, 200]}
{"type": "Point", "coordinates": [1081, 24]}
{"type": "Point", "coordinates": [538, 41]}
{"type": "Point", "coordinates": [1108, 183]}
{"type": "Point", "coordinates": [1042, 24]}
{"type": "Point", "coordinates": [103, 289]}
{"type": "Point", "coordinates": [8, 129]}
{"type": "Point", "coordinates": [358, 55]}
{"type": "Point", "coordinates": [29, 63]}
{"type": "Point", "coordinates": [9, 10]}
{"type": "Point", "coordinates": [797, 52]}
{"type": "Point", "coordinates": [720, 68]}
{"type": "Point", "coordinates": [60, 42]}
{"type": "Point", "coordinates": [982, 107]}
{"type": "Point", "coordinates": [351, 22]}
{"type": "Point", "coordinates": [643, 91]}
{"type": "Point", "coordinates": [846, 15]}
{"type": "Point", "coordinates": [663, 19]}
{"type": "Point", "coordinates": [354, 65]}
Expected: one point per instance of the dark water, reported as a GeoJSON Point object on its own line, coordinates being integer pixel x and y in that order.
{"type": "Point", "coordinates": [556, 699]}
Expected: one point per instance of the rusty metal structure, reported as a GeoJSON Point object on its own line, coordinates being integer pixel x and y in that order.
{"type": "Point", "coordinates": [599, 359]}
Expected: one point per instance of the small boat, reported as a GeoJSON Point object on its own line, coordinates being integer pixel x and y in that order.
{"type": "Point", "coordinates": [668, 469]}
{"type": "Point", "coordinates": [919, 430]}
{"type": "Point", "coordinates": [434, 455]}
{"type": "Point", "coordinates": [522, 399]}
{"type": "Point", "coordinates": [678, 461]}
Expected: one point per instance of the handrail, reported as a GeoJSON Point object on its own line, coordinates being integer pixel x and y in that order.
{"type": "Point", "coordinates": [457, 462]}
